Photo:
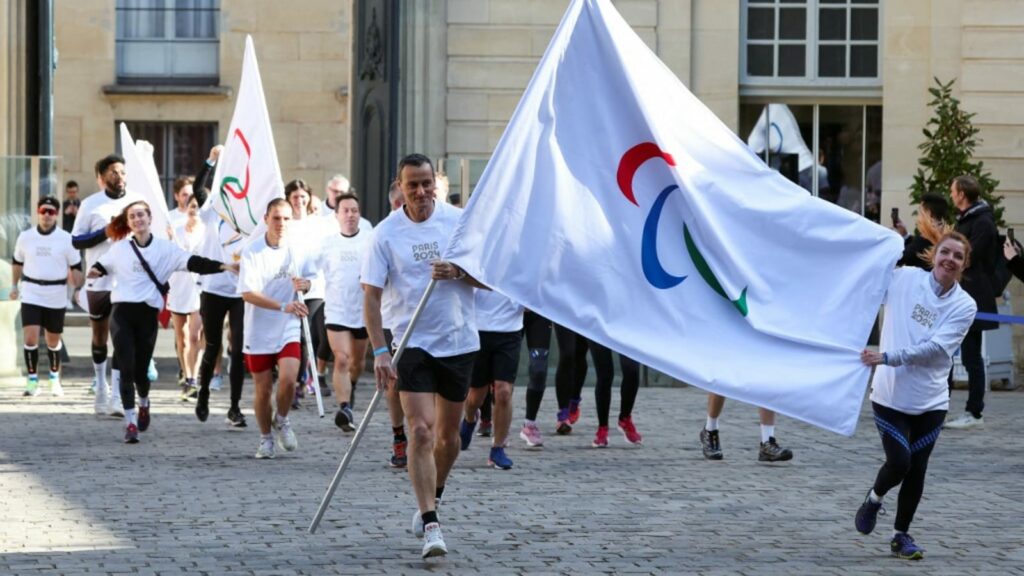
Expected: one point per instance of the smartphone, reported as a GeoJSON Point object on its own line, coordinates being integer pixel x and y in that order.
{"type": "Point", "coordinates": [1009, 234]}
{"type": "Point", "coordinates": [895, 216]}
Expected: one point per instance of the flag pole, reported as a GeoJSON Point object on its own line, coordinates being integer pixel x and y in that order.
{"type": "Point", "coordinates": [311, 355]}
{"type": "Point", "coordinates": [369, 411]}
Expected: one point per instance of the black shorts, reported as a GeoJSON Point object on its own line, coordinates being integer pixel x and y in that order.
{"type": "Point", "coordinates": [99, 304]}
{"type": "Point", "coordinates": [357, 333]}
{"type": "Point", "coordinates": [51, 319]}
{"type": "Point", "coordinates": [498, 358]}
{"type": "Point", "coordinates": [447, 377]}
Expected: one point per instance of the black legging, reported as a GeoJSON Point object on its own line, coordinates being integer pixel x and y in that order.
{"type": "Point", "coordinates": [538, 343]}
{"type": "Point", "coordinates": [565, 379]}
{"type": "Point", "coordinates": [605, 370]}
{"type": "Point", "coordinates": [908, 441]}
{"type": "Point", "coordinates": [212, 309]}
{"type": "Point", "coordinates": [133, 328]}
{"type": "Point", "coordinates": [316, 308]}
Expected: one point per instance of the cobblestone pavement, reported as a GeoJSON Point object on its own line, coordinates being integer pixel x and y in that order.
{"type": "Point", "coordinates": [190, 499]}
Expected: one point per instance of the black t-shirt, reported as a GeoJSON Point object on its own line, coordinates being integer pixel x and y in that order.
{"type": "Point", "coordinates": [68, 220]}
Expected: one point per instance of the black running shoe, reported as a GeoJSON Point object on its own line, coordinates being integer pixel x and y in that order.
{"type": "Point", "coordinates": [710, 445]}
{"type": "Point", "coordinates": [771, 452]}
{"type": "Point", "coordinates": [236, 418]}
{"type": "Point", "coordinates": [203, 404]}
{"type": "Point", "coordinates": [344, 419]}
{"type": "Point", "coordinates": [399, 459]}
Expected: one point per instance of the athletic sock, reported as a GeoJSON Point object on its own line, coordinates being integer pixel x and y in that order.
{"type": "Point", "coordinates": [280, 420]}
{"type": "Point", "coordinates": [100, 371]}
{"type": "Point", "coordinates": [54, 375]}
{"type": "Point", "coordinates": [528, 422]}
{"type": "Point", "coordinates": [144, 402]}
{"type": "Point", "coordinates": [267, 437]}
{"type": "Point", "coordinates": [131, 416]}
{"type": "Point", "coordinates": [711, 425]}
{"type": "Point", "coordinates": [53, 354]}
{"type": "Point", "coordinates": [767, 431]}
{"type": "Point", "coordinates": [398, 431]}
{"type": "Point", "coordinates": [343, 405]}
{"type": "Point", "coordinates": [429, 517]}
{"type": "Point", "coordinates": [874, 497]}
{"type": "Point", "coordinates": [31, 359]}
{"type": "Point", "coordinates": [439, 492]}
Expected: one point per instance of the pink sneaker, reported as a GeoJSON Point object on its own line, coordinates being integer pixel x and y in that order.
{"type": "Point", "coordinates": [630, 431]}
{"type": "Point", "coordinates": [601, 438]}
{"type": "Point", "coordinates": [531, 435]}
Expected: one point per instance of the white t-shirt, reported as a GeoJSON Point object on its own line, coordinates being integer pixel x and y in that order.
{"type": "Point", "coordinates": [184, 295]}
{"type": "Point", "coordinates": [133, 284]}
{"type": "Point", "coordinates": [45, 257]}
{"type": "Point", "coordinates": [269, 271]}
{"type": "Point", "coordinates": [222, 243]}
{"type": "Point", "coordinates": [176, 218]}
{"type": "Point", "coordinates": [307, 236]}
{"type": "Point", "coordinates": [95, 213]}
{"type": "Point", "coordinates": [915, 315]}
{"type": "Point", "coordinates": [341, 261]}
{"type": "Point", "coordinates": [327, 213]}
{"type": "Point", "coordinates": [400, 255]}
{"type": "Point", "coordinates": [497, 313]}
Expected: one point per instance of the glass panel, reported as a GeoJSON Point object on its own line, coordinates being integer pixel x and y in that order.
{"type": "Point", "coordinates": [23, 180]}
{"type": "Point", "coordinates": [863, 61]}
{"type": "Point", "coordinates": [864, 24]}
{"type": "Point", "coordinates": [840, 134]}
{"type": "Point", "coordinates": [140, 19]}
{"type": "Point", "coordinates": [793, 24]}
{"type": "Point", "coordinates": [196, 18]}
{"type": "Point", "coordinates": [761, 24]}
{"type": "Point", "coordinates": [832, 24]}
{"type": "Point", "coordinates": [873, 178]}
{"type": "Point", "coordinates": [782, 132]}
{"type": "Point", "coordinates": [792, 60]}
{"type": "Point", "coordinates": [833, 1]}
{"type": "Point", "coordinates": [875, 2]}
{"type": "Point", "coordinates": [759, 60]}
{"type": "Point", "coordinates": [832, 61]}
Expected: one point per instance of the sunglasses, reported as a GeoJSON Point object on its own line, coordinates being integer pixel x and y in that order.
{"type": "Point", "coordinates": [48, 211]}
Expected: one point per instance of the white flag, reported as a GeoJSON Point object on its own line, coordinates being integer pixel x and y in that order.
{"type": "Point", "coordinates": [248, 176]}
{"type": "Point", "coordinates": [618, 205]}
{"type": "Point", "coordinates": [144, 180]}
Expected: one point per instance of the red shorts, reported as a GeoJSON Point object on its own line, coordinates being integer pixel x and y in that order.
{"type": "Point", "coordinates": [264, 362]}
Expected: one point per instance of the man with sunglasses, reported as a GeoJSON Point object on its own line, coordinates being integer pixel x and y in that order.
{"type": "Point", "coordinates": [42, 258]}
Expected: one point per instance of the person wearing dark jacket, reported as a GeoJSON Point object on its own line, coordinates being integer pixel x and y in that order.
{"type": "Point", "coordinates": [1014, 260]}
{"type": "Point", "coordinates": [977, 222]}
{"type": "Point", "coordinates": [933, 208]}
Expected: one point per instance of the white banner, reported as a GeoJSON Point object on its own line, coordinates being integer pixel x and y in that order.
{"type": "Point", "coordinates": [618, 205]}
{"type": "Point", "coordinates": [144, 180]}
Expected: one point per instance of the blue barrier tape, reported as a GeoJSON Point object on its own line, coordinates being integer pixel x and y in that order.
{"type": "Point", "coordinates": [1003, 318]}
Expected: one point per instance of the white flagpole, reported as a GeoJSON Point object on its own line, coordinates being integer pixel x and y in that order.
{"type": "Point", "coordinates": [311, 355]}
{"type": "Point", "coordinates": [369, 411]}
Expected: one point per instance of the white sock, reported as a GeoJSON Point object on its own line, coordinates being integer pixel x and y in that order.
{"type": "Point", "coordinates": [528, 422]}
{"type": "Point", "coordinates": [767, 431]}
{"type": "Point", "coordinates": [280, 420]}
{"type": "Point", "coordinates": [115, 383]}
{"type": "Point", "coordinates": [267, 437]}
{"type": "Point", "coordinates": [144, 402]}
{"type": "Point", "coordinates": [131, 417]}
{"type": "Point", "coordinates": [100, 371]}
{"type": "Point", "coordinates": [54, 375]}
{"type": "Point", "coordinates": [712, 424]}
{"type": "Point", "coordinates": [874, 497]}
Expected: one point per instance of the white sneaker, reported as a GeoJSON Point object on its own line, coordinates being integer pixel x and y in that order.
{"type": "Point", "coordinates": [417, 524]}
{"type": "Point", "coordinates": [216, 382]}
{"type": "Point", "coordinates": [433, 541]}
{"type": "Point", "coordinates": [55, 388]}
{"type": "Point", "coordinates": [266, 449]}
{"type": "Point", "coordinates": [114, 407]}
{"type": "Point", "coordinates": [286, 439]}
{"type": "Point", "coordinates": [101, 401]}
{"type": "Point", "coordinates": [965, 422]}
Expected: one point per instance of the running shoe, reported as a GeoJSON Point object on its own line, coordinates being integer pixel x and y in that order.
{"type": "Point", "coordinates": [266, 449]}
{"type": "Point", "coordinates": [398, 456]}
{"type": "Point", "coordinates": [417, 520]}
{"type": "Point", "coordinates": [144, 418]}
{"type": "Point", "coordinates": [203, 404]}
{"type": "Point", "coordinates": [181, 378]}
{"type": "Point", "coordinates": [216, 383]}
{"type": "Point", "coordinates": [466, 433]}
{"type": "Point", "coordinates": [344, 419]}
{"type": "Point", "coordinates": [709, 444]}
{"type": "Point", "coordinates": [32, 386]}
{"type": "Point", "coordinates": [300, 389]}
{"type": "Point", "coordinates": [151, 372]}
{"type": "Point", "coordinates": [486, 428]}
{"type": "Point", "coordinates": [630, 432]}
{"type": "Point", "coordinates": [295, 401]}
{"type": "Point", "coordinates": [600, 438]}
{"type": "Point", "coordinates": [433, 542]}
{"type": "Point", "coordinates": [325, 388]}
{"type": "Point", "coordinates": [55, 388]}
{"type": "Point", "coordinates": [867, 515]}
{"type": "Point", "coordinates": [498, 459]}
{"type": "Point", "coordinates": [131, 434]}
{"type": "Point", "coordinates": [965, 422]}
{"type": "Point", "coordinates": [574, 410]}
{"type": "Point", "coordinates": [902, 546]}
{"type": "Point", "coordinates": [531, 435]}
{"type": "Point", "coordinates": [114, 407]}
{"type": "Point", "coordinates": [235, 418]}
{"type": "Point", "coordinates": [286, 438]}
{"type": "Point", "coordinates": [189, 392]}
{"type": "Point", "coordinates": [99, 404]}
{"type": "Point", "coordinates": [564, 426]}
{"type": "Point", "coordinates": [92, 387]}
{"type": "Point", "coordinates": [770, 451]}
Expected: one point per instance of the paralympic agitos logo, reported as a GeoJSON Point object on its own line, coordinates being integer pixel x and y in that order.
{"type": "Point", "coordinates": [654, 272]}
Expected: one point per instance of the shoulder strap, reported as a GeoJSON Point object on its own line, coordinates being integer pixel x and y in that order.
{"type": "Point", "coordinates": [164, 287]}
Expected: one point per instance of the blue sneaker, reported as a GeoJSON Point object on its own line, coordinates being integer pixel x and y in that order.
{"type": "Point", "coordinates": [867, 515]}
{"type": "Point", "coordinates": [498, 459]}
{"type": "Point", "coordinates": [466, 433]}
{"type": "Point", "coordinates": [903, 546]}
{"type": "Point", "coordinates": [151, 372]}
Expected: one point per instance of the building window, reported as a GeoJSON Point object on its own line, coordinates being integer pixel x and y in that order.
{"type": "Point", "coordinates": [810, 42]}
{"type": "Point", "coordinates": [179, 148]}
{"type": "Point", "coordinates": [847, 166]}
{"type": "Point", "coordinates": [168, 42]}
